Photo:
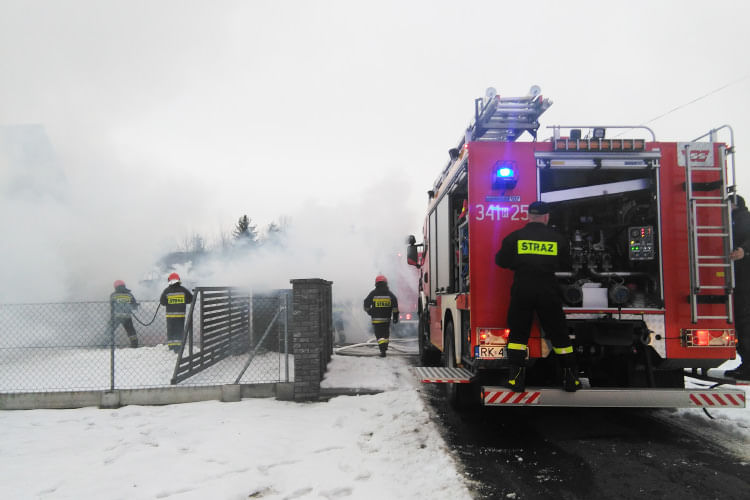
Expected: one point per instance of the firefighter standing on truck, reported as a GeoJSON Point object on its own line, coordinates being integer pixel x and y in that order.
{"type": "Point", "coordinates": [121, 305]}
{"type": "Point", "coordinates": [534, 253]}
{"type": "Point", "coordinates": [381, 305]}
{"type": "Point", "coordinates": [741, 257]}
{"type": "Point", "coordinates": [175, 298]}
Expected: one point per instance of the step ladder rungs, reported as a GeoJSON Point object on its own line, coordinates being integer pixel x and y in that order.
{"type": "Point", "coordinates": [709, 199]}
{"type": "Point", "coordinates": [443, 375]}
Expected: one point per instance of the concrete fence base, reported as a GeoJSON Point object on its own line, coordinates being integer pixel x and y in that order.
{"type": "Point", "coordinates": [144, 397]}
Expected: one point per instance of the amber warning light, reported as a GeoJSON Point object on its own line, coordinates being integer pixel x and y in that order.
{"type": "Point", "coordinates": [708, 338]}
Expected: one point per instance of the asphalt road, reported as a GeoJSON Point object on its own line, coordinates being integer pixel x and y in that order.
{"type": "Point", "coordinates": [584, 453]}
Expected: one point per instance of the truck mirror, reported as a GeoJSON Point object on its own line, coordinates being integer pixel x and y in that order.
{"type": "Point", "coordinates": [412, 257]}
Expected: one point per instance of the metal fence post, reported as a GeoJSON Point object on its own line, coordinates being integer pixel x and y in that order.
{"type": "Point", "coordinates": [112, 354]}
{"type": "Point", "coordinates": [285, 306]}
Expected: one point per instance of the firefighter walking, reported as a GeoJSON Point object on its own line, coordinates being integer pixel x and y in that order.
{"type": "Point", "coordinates": [121, 306]}
{"type": "Point", "coordinates": [534, 253]}
{"type": "Point", "coordinates": [381, 304]}
{"type": "Point", "coordinates": [175, 299]}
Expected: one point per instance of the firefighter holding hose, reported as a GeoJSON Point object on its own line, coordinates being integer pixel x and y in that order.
{"type": "Point", "coordinates": [175, 299]}
{"type": "Point", "coordinates": [121, 305]}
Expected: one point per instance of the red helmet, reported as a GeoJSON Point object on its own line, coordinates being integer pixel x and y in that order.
{"type": "Point", "coordinates": [118, 283]}
{"type": "Point", "coordinates": [173, 278]}
{"type": "Point", "coordinates": [380, 279]}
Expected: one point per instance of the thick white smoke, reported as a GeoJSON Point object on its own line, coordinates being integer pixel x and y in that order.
{"type": "Point", "coordinates": [348, 244]}
{"type": "Point", "coordinates": [70, 231]}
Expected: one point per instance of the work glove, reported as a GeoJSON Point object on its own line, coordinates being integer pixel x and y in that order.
{"type": "Point", "coordinates": [395, 318]}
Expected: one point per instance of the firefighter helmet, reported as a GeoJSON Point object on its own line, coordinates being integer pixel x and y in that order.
{"type": "Point", "coordinates": [173, 278]}
{"type": "Point", "coordinates": [118, 283]}
{"type": "Point", "coordinates": [381, 279]}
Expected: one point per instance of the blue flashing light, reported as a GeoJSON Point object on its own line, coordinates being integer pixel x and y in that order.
{"type": "Point", "coordinates": [505, 175]}
{"type": "Point", "coordinates": [505, 172]}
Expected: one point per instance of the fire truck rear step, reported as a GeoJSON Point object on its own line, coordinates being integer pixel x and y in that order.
{"type": "Point", "coordinates": [617, 398]}
{"type": "Point", "coordinates": [443, 375]}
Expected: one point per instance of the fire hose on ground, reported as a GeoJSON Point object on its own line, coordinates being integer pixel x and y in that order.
{"type": "Point", "coordinates": [396, 347]}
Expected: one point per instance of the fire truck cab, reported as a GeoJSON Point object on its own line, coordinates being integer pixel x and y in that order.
{"type": "Point", "coordinates": [649, 293]}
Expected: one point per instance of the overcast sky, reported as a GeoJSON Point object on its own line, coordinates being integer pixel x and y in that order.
{"type": "Point", "coordinates": [214, 109]}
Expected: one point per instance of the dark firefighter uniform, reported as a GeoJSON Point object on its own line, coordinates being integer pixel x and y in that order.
{"type": "Point", "coordinates": [382, 305]}
{"type": "Point", "coordinates": [121, 305]}
{"type": "Point", "coordinates": [534, 253]}
{"type": "Point", "coordinates": [741, 239]}
{"type": "Point", "coordinates": [175, 298]}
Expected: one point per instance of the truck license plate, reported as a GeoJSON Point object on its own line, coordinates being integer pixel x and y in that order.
{"type": "Point", "coordinates": [487, 351]}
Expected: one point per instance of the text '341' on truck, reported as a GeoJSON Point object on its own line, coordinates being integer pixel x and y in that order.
{"type": "Point", "coordinates": [649, 293]}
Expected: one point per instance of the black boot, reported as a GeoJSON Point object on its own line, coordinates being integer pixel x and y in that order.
{"type": "Point", "coordinates": [382, 353]}
{"type": "Point", "coordinates": [516, 378]}
{"type": "Point", "coordinates": [570, 380]}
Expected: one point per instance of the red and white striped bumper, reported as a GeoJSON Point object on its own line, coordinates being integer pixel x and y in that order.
{"type": "Point", "coordinates": [626, 398]}
{"type": "Point", "coordinates": [719, 399]}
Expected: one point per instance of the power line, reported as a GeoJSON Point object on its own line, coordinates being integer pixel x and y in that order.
{"type": "Point", "coordinates": [697, 99]}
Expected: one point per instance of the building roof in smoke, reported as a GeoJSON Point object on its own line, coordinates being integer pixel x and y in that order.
{"type": "Point", "coordinates": [30, 161]}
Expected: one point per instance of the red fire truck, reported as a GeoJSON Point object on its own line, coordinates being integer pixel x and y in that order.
{"type": "Point", "coordinates": [403, 282]}
{"type": "Point", "coordinates": [649, 294]}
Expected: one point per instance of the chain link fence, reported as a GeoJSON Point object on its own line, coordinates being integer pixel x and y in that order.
{"type": "Point", "coordinates": [72, 346]}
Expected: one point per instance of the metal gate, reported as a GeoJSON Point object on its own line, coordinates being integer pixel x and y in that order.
{"type": "Point", "coordinates": [236, 336]}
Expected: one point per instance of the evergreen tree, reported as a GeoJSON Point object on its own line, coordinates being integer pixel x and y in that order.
{"type": "Point", "coordinates": [245, 231]}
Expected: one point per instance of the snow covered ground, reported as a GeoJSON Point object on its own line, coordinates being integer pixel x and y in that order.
{"type": "Point", "coordinates": [381, 446]}
{"type": "Point", "coordinates": [376, 446]}
{"type": "Point", "coordinates": [72, 369]}
{"type": "Point", "coordinates": [729, 427]}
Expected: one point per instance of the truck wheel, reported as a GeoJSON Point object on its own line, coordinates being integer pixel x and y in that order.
{"type": "Point", "coordinates": [460, 396]}
{"type": "Point", "coordinates": [428, 355]}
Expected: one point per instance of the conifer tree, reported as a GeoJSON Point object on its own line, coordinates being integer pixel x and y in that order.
{"type": "Point", "coordinates": [245, 231]}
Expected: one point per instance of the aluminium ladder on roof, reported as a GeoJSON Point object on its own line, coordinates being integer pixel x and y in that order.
{"type": "Point", "coordinates": [701, 208]}
{"type": "Point", "coordinates": [499, 118]}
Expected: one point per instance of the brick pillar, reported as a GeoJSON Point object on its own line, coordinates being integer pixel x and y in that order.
{"type": "Point", "coordinates": [312, 333]}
